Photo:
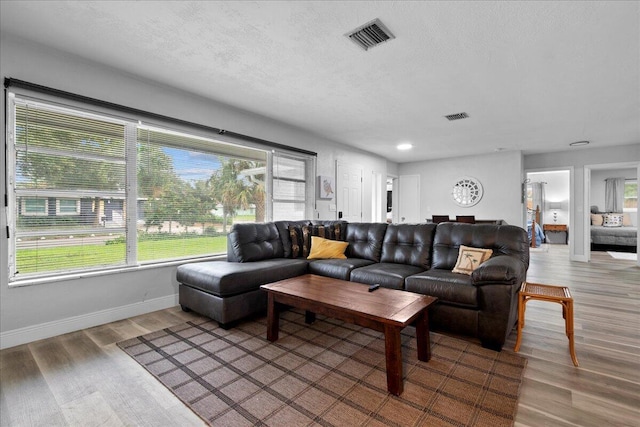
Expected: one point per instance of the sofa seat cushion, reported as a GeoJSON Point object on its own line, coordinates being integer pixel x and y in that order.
{"type": "Point", "coordinates": [337, 268]}
{"type": "Point", "coordinates": [388, 275]}
{"type": "Point", "coordinates": [448, 287]}
{"type": "Point", "coordinates": [225, 279]}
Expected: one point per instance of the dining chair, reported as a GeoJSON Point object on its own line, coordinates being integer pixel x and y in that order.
{"type": "Point", "coordinates": [436, 219]}
{"type": "Point", "coordinates": [469, 219]}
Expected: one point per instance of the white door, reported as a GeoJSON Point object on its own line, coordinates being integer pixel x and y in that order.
{"type": "Point", "coordinates": [349, 192]}
{"type": "Point", "coordinates": [409, 199]}
{"type": "Point", "coordinates": [378, 203]}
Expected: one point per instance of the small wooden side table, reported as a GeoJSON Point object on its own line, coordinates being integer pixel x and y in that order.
{"type": "Point", "coordinates": [559, 229]}
{"type": "Point", "coordinates": [559, 294]}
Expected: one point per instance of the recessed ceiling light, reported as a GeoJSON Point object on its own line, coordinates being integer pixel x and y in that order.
{"type": "Point", "coordinates": [405, 146]}
{"type": "Point", "coordinates": [579, 143]}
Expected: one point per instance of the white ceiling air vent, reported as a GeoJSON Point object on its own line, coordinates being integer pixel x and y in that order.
{"type": "Point", "coordinates": [370, 34]}
{"type": "Point", "coordinates": [457, 116]}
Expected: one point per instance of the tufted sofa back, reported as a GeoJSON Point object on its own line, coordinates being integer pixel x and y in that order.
{"type": "Point", "coordinates": [365, 240]}
{"type": "Point", "coordinates": [254, 242]}
{"type": "Point", "coordinates": [502, 239]}
{"type": "Point", "coordinates": [408, 244]}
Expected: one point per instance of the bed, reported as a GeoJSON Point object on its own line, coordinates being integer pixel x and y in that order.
{"type": "Point", "coordinates": [616, 236]}
{"type": "Point", "coordinates": [612, 229]}
{"type": "Point", "coordinates": [534, 230]}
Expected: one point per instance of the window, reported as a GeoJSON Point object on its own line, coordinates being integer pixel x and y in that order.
{"type": "Point", "coordinates": [89, 192]}
{"type": "Point", "coordinates": [630, 195]}
{"type": "Point", "coordinates": [67, 207]}
{"type": "Point", "coordinates": [34, 206]}
{"type": "Point", "coordinates": [191, 190]}
{"type": "Point", "coordinates": [290, 180]}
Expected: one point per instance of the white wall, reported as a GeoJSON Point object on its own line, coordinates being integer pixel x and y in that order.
{"type": "Point", "coordinates": [579, 160]}
{"type": "Point", "coordinates": [42, 310]}
{"type": "Point", "coordinates": [499, 173]}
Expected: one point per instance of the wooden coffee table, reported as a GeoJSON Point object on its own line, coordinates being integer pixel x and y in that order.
{"type": "Point", "coordinates": [385, 310]}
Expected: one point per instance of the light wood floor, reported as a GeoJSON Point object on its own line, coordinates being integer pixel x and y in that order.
{"type": "Point", "coordinates": [83, 379]}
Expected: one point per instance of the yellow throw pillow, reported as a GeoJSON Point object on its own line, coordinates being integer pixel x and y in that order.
{"type": "Point", "coordinates": [325, 248]}
{"type": "Point", "coordinates": [470, 258]}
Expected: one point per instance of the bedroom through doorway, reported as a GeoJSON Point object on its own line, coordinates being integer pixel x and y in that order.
{"type": "Point", "coordinates": [613, 209]}
{"type": "Point", "coordinates": [547, 208]}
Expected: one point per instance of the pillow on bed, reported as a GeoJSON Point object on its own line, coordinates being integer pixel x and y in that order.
{"type": "Point", "coordinates": [626, 220]}
{"type": "Point", "coordinates": [612, 220]}
{"type": "Point", "coordinates": [596, 219]}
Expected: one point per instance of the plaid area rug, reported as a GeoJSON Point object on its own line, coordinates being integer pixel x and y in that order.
{"type": "Point", "coordinates": [329, 373]}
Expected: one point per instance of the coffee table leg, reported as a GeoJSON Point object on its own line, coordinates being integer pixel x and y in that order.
{"type": "Point", "coordinates": [422, 336]}
{"type": "Point", "coordinates": [273, 318]}
{"type": "Point", "coordinates": [309, 317]}
{"type": "Point", "coordinates": [393, 353]}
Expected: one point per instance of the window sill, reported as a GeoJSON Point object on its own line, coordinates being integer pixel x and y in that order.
{"type": "Point", "coordinates": [29, 281]}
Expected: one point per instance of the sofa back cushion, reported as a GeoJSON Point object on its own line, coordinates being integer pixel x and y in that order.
{"type": "Point", "coordinates": [502, 239]}
{"type": "Point", "coordinates": [334, 230]}
{"type": "Point", "coordinates": [254, 242]}
{"type": "Point", "coordinates": [408, 244]}
{"type": "Point", "coordinates": [365, 240]}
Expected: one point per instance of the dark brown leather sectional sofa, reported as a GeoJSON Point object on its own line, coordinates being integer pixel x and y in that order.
{"type": "Point", "coordinates": [412, 257]}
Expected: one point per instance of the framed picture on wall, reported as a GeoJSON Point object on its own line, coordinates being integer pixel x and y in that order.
{"type": "Point", "coordinates": [325, 187]}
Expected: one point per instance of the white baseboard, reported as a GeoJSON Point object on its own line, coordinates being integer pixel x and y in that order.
{"type": "Point", "coordinates": [58, 327]}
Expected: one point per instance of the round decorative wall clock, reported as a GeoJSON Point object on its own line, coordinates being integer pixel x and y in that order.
{"type": "Point", "coordinates": [467, 191]}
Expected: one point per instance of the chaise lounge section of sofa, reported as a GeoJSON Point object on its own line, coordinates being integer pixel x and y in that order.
{"type": "Point", "coordinates": [412, 257]}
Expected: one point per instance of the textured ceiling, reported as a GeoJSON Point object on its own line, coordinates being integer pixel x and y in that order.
{"type": "Point", "coordinates": [533, 76]}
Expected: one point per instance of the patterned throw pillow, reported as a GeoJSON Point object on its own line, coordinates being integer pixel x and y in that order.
{"type": "Point", "coordinates": [470, 258]}
{"type": "Point", "coordinates": [295, 234]}
{"type": "Point", "coordinates": [612, 220]}
{"type": "Point", "coordinates": [301, 237]}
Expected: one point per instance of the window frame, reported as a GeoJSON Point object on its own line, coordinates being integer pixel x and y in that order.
{"type": "Point", "coordinates": [131, 199]}
{"type": "Point", "coordinates": [76, 207]}
{"type": "Point", "coordinates": [23, 206]}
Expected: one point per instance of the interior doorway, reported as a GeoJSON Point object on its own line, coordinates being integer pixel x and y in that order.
{"type": "Point", "coordinates": [392, 194]}
{"type": "Point", "coordinates": [616, 240]}
{"type": "Point", "coordinates": [548, 207]}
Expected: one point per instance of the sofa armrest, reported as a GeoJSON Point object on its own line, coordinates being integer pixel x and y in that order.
{"type": "Point", "coordinates": [503, 269]}
{"type": "Point", "coordinates": [498, 281]}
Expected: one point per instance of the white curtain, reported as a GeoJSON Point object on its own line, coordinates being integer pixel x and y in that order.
{"type": "Point", "coordinates": [613, 194]}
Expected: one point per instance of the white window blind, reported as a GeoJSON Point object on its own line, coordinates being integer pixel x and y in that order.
{"type": "Point", "coordinates": [290, 179]}
{"type": "Point", "coordinates": [69, 185]}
